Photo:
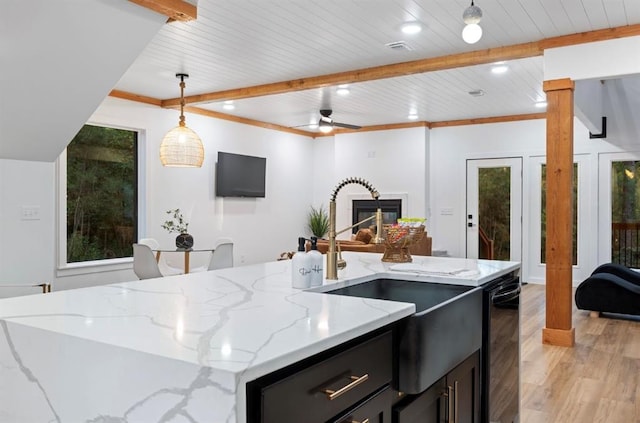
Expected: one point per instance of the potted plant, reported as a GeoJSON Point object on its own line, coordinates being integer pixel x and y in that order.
{"type": "Point", "coordinates": [318, 221]}
{"type": "Point", "coordinates": [178, 224]}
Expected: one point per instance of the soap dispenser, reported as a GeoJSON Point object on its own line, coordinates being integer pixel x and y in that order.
{"type": "Point", "coordinates": [316, 263]}
{"type": "Point", "coordinates": [300, 267]}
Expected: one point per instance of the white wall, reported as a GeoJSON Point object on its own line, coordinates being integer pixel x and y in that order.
{"type": "Point", "coordinates": [393, 161]}
{"type": "Point", "coordinates": [261, 228]}
{"type": "Point", "coordinates": [450, 149]}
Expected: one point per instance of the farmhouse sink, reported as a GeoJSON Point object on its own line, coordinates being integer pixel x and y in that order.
{"type": "Point", "coordinates": [445, 329]}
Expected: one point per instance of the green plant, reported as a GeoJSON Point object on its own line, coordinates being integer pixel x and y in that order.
{"type": "Point", "coordinates": [318, 221]}
{"type": "Point", "coordinates": [176, 223]}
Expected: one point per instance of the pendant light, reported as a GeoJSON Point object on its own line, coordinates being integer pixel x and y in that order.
{"type": "Point", "coordinates": [181, 147]}
{"type": "Point", "coordinates": [472, 32]}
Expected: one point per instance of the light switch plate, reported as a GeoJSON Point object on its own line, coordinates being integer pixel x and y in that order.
{"type": "Point", "coordinates": [30, 213]}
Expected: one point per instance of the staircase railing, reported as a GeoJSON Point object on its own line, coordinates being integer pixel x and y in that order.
{"type": "Point", "coordinates": [625, 243]}
{"type": "Point", "coordinates": [485, 245]}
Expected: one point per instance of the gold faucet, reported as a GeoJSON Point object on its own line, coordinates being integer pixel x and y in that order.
{"type": "Point", "coordinates": [332, 254]}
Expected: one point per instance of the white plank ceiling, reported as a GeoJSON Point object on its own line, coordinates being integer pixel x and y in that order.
{"type": "Point", "coordinates": [243, 43]}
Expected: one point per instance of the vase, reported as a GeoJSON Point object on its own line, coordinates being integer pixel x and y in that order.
{"type": "Point", "coordinates": [184, 242]}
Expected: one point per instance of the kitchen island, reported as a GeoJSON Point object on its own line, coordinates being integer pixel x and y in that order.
{"type": "Point", "coordinates": [183, 348]}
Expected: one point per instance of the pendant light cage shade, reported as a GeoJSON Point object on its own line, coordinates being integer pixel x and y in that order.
{"type": "Point", "coordinates": [181, 147]}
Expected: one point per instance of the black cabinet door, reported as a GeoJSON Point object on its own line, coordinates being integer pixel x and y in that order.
{"type": "Point", "coordinates": [376, 409]}
{"type": "Point", "coordinates": [453, 399]}
{"type": "Point", "coordinates": [427, 407]}
{"type": "Point", "coordinates": [463, 384]}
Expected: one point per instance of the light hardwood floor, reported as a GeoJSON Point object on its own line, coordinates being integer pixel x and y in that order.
{"type": "Point", "coordinates": [596, 381]}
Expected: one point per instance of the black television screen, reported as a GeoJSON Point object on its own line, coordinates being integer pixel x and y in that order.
{"type": "Point", "coordinates": [240, 176]}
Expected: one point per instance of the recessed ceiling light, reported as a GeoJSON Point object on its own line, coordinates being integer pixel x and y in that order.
{"type": "Point", "coordinates": [412, 27]}
{"type": "Point", "coordinates": [498, 69]}
{"type": "Point", "coordinates": [476, 93]}
{"type": "Point", "coordinates": [343, 89]}
{"type": "Point", "coordinates": [412, 116]}
{"type": "Point", "coordinates": [228, 105]}
{"type": "Point", "coordinates": [541, 104]}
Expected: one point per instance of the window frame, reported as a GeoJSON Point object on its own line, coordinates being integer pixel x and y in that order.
{"type": "Point", "coordinates": [63, 268]}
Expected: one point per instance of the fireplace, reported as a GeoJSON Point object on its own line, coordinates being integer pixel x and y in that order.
{"type": "Point", "coordinates": [391, 211]}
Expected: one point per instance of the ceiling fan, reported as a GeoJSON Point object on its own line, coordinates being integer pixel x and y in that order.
{"type": "Point", "coordinates": [326, 124]}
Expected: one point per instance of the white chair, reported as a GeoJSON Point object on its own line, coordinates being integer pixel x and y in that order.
{"type": "Point", "coordinates": [222, 256]}
{"type": "Point", "coordinates": [145, 265]}
{"type": "Point", "coordinates": [164, 266]}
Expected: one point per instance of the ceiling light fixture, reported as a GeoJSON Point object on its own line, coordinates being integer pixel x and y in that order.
{"type": "Point", "coordinates": [499, 69]}
{"type": "Point", "coordinates": [472, 32]}
{"type": "Point", "coordinates": [411, 28]}
{"type": "Point", "coordinates": [228, 105]}
{"type": "Point", "coordinates": [181, 147]}
{"type": "Point", "coordinates": [412, 116]}
{"type": "Point", "coordinates": [324, 126]}
{"type": "Point", "coordinates": [343, 89]}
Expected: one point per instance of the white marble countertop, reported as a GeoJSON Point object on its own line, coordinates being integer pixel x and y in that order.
{"type": "Point", "coordinates": [182, 348]}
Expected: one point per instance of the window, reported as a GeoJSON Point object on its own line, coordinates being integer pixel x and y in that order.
{"type": "Point", "coordinates": [625, 213]}
{"type": "Point", "coordinates": [101, 194]}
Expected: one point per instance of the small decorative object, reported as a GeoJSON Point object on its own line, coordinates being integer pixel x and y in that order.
{"type": "Point", "coordinates": [318, 222]}
{"type": "Point", "coordinates": [184, 241]}
{"type": "Point", "coordinates": [398, 238]}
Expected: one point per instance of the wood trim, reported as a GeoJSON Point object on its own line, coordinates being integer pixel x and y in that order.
{"type": "Point", "coordinates": [559, 337]}
{"type": "Point", "coordinates": [559, 211]}
{"type": "Point", "coordinates": [246, 121]}
{"type": "Point", "coordinates": [177, 10]}
{"type": "Point", "coordinates": [135, 97]}
{"type": "Point", "coordinates": [518, 51]}
{"type": "Point", "coordinates": [590, 37]}
{"type": "Point", "coordinates": [558, 84]}
{"type": "Point", "coordinates": [197, 110]}
{"type": "Point", "coordinates": [495, 119]}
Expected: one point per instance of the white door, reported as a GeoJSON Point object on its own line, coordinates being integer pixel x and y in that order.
{"type": "Point", "coordinates": [494, 208]}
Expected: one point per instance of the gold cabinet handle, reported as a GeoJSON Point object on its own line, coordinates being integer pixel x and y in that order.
{"type": "Point", "coordinates": [355, 382]}
{"type": "Point", "coordinates": [364, 421]}
{"type": "Point", "coordinates": [455, 400]}
{"type": "Point", "coordinates": [450, 403]}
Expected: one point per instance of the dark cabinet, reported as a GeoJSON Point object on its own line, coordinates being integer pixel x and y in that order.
{"type": "Point", "coordinates": [376, 409]}
{"type": "Point", "coordinates": [350, 385]}
{"type": "Point", "coordinates": [453, 399]}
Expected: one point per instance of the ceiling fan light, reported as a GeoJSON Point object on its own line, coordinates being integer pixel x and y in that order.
{"type": "Point", "coordinates": [471, 33]}
{"type": "Point", "coordinates": [324, 126]}
{"type": "Point", "coordinates": [472, 14]}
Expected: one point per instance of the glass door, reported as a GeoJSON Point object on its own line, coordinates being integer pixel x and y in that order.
{"type": "Point", "coordinates": [494, 209]}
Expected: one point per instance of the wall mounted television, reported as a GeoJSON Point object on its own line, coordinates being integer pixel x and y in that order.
{"type": "Point", "coordinates": [238, 175]}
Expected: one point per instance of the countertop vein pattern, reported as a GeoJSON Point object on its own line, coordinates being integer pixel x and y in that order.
{"type": "Point", "coordinates": [182, 348]}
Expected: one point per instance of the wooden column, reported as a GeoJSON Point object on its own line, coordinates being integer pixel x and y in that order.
{"type": "Point", "coordinates": [558, 329]}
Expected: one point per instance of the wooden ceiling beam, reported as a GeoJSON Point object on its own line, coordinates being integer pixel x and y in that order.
{"type": "Point", "coordinates": [177, 10]}
{"type": "Point", "coordinates": [491, 55]}
{"type": "Point", "coordinates": [518, 51]}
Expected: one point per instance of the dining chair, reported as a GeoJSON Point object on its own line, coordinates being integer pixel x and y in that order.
{"type": "Point", "coordinates": [163, 264]}
{"type": "Point", "coordinates": [145, 265]}
{"type": "Point", "coordinates": [222, 256]}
